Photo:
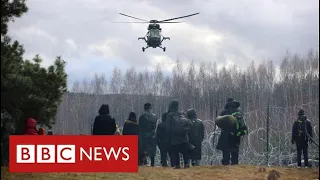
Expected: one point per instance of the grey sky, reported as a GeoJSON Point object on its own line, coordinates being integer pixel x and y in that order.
{"type": "Point", "coordinates": [225, 32]}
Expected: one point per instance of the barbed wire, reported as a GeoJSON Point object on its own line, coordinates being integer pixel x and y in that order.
{"type": "Point", "coordinates": [253, 149]}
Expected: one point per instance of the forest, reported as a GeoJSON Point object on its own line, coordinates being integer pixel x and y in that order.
{"type": "Point", "coordinates": [267, 93]}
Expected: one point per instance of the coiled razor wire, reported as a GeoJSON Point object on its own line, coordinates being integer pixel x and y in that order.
{"type": "Point", "coordinates": [253, 148]}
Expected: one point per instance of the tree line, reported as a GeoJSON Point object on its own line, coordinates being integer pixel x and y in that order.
{"type": "Point", "coordinates": [264, 93]}
{"type": "Point", "coordinates": [204, 88]}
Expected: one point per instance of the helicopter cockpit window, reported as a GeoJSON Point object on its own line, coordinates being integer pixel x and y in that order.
{"type": "Point", "coordinates": [155, 33]}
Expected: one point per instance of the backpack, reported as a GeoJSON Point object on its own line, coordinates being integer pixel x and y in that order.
{"type": "Point", "coordinates": [302, 127]}
{"type": "Point", "coordinates": [180, 124]}
{"type": "Point", "coordinates": [241, 128]}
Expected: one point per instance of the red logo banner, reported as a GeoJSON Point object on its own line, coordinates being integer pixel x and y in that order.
{"type": "Point", "coordinates": [73, 153]}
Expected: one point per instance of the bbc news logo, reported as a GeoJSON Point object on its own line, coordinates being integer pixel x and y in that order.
{"type": "Point", "coordinates": [73, 154]}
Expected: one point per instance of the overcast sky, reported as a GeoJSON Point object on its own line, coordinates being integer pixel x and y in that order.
{"type": "Point", "coordinates": [225, 32]}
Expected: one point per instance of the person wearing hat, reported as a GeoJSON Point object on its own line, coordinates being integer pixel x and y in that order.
{"type": "Point", "coordinates": [147, 132]}
{"type": "Point", "coordinates": [229, 143]}
{"type": "Point", "coordinates": [301, 136]}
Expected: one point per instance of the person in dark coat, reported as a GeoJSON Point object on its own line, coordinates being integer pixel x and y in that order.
{"type": "Point", "coordinates": [179, 143]}
{"type": "Point", "coordinates": [228, 143]}
{"type": "Point", "coordinates": [301, 136]}
{"type": "Point", "coordinates": [147, 127]}
{"type": "Point", "coordinates": [196, 137]}
{"type": "Point", "coordinates": [162, 142]}
{"type": "Point", "coordinates": [131, 126]}
{"type": "Point", "coordinates": [104, 123]}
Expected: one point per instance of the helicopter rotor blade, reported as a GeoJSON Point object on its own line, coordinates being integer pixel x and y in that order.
{"type": "Point", "coordinates": [168, 22]}
{"type": "Point", "coordinates": [133, 17]}
{"type": "Point", "coordinates": [130, 22]}
{"type": "Point", "coordinates": [178, 18]}
{"type": "Point", "coordinates": [147, 22]}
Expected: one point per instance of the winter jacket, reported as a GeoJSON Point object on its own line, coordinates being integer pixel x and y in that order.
{"type": "Point", "coordinates": [196, 134]}
{"type": "Point", "coordinates": [104, 123]}
{"type": "Point", "coordinates": [173, 138]}
{"type": "Point", "coordinates": [147, 132]}
{"type": "Point", "coordinates": [228, 141]}
{"type": "Point", "coordinates": [130, 127]}
{"type": "Point", "coordinates": [161, 133]}
{"type": "Point", "coordinates": [300, 128]}
{"type": "Point", "coordinates": [31, 127]}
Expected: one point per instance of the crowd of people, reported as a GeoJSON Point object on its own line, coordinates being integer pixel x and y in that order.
{"type": "Point", "coordinates": [177, 133]}
{"type": "Point", "coordinates": [180, 133]}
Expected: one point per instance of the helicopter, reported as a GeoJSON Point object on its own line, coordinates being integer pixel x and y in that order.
{"type": "Point", "coordinates": [154, 38]}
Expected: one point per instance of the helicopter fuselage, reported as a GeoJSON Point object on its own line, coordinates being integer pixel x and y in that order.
{"type": "Point", "coordinates": [154, 37]}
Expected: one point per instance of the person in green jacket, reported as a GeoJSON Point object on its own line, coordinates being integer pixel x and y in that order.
{"type": "Point", "coordinates": [196, 137]}
{"type": "Point", "coordinates": [147, 132]}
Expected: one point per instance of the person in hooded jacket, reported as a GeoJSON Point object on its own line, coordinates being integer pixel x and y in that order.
{"type": "Point", "coordinates": [179, 142]}
{"type": "Point", "coordinates": [104, 123]}
{"type": "Point", "coordinates": [147, 127]}
{"type": "Point", "coordinates": [228, 143]}
{"type": "Point", "coordinates": [162, 142]}
{"type": "Point", "coordinates": [131, 126]}
{"type": "Point", "coordinates": [196, 136]}
{"type": "Point", "coordinates": [31, 127]}
{"type": "Point", "coordinates": [301, 136]}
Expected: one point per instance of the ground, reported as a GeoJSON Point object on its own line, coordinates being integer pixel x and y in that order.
{"type": "Point", "coordinates": [241, 172]}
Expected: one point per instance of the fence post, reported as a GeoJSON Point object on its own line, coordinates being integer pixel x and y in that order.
{"type": "Point", "coordinates": [268, 106]}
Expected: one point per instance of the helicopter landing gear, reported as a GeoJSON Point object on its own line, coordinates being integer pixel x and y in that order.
{"type": "Point", "coordinates": [163, 48]}
{"type": "Point", "coordinates": [144, 48]}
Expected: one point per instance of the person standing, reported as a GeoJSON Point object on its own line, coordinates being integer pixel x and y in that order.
{"type": "Point", "coordinates": [162, 142]}
{"type": "Point", "coordinates": [131, 126]}
{"type": "Point", "coordinates": [301, 136]}
{"type": "Point", "coordinates": [147, 131]}
{"type": "Point", "coordinates": [196, 137]}
{"type": "Point", "coordinates": [104, 123]}
{"type": "Point", "coordinates": [31, 127]}
{"type": "Point", "coordinates": [229, 139]}
{"type": "Point", "coordinates": [178, 128]}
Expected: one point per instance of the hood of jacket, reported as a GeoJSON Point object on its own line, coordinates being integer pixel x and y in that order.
{"type": "Point", "coordinates": [174, 106]}
{"type": "Point", "coordinates": [232, 105]}
{"type": "Point", "coordinates": [132, 117]}
{"type": "Point", "coordinates": [191, 113]}
{"type": "Point", "coordinates": [31, 123]}
{"type": "Point", "coordinates": [104, 109]}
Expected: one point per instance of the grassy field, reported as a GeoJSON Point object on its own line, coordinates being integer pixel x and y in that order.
{"type": "Point", "coordinates": [241, 172]}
